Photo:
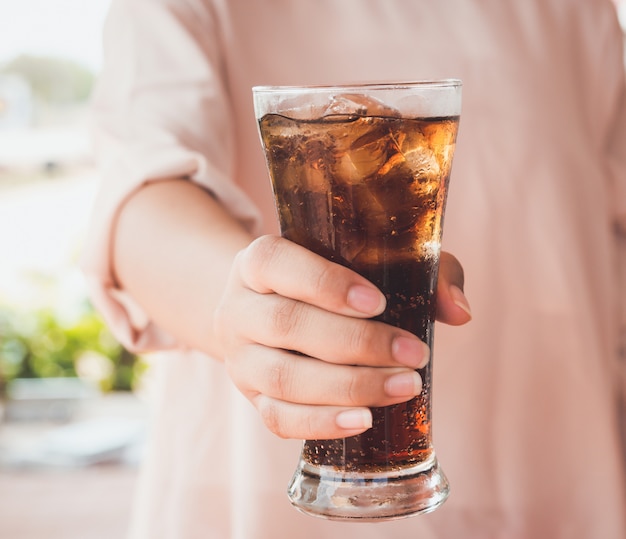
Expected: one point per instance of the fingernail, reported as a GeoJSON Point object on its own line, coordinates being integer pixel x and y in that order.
{"type": "Point", "coordinates": [354, 419]}
{"type": "Point", "coordinates": [459, 299]}
{"type": "Point", "coordinates": [365, 299]}
{"type": "Point", "coordinates": [410, 352]}
{"type": "Point", "coordinates": [406, 384]}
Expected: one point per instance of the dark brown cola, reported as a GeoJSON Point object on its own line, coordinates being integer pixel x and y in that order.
{"type": "Point", "coordinates": [369, 192]}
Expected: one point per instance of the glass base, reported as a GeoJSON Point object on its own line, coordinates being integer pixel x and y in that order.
{"type": "Point", "coordinates": [324, 491]}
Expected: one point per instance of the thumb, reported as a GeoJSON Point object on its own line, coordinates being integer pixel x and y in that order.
{"type": "Point", "coordinates": [452, 305]}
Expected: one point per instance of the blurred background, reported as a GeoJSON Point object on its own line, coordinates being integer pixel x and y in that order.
{"type": "Point", "coordinates": [73, 402]}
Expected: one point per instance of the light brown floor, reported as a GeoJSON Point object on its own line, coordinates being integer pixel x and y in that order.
{"type": "Point", "coordinates": [92, 503]}
{"type": "Point", "coordinates": [64, 502]}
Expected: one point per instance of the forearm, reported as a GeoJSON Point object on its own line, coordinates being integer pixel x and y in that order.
{"type": "Point", "coordinates": [172, 251]}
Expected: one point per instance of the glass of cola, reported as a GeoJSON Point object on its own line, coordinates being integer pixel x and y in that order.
{"type": "Point", "coordinates": [360, 176]}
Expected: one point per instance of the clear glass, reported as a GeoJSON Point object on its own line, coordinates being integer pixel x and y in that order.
{"type": "Point", "coordinates": [360, 176]}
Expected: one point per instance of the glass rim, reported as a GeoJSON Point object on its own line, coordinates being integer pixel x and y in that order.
{"type": "Point", "coordinates": [403, 85]}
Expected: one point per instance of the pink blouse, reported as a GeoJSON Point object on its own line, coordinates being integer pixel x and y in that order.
{"type": "Point", "coordinates": [528, 395]}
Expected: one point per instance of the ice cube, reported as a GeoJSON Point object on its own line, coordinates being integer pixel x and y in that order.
{"type": "Point", "coordinates": [406, 185]}
{"type": "Point", "coordinates": [441, 140]}
{"type": "Point", "coordinates": [425, 170]}
{"type": "Point", "coordinates": [359, 105]}
{"type": "Point", "coordinates": [361, 151]}
{"type": "Point", "coordinates": [300, 163]}
{"type": "Point", "coordinates": [416, 160]}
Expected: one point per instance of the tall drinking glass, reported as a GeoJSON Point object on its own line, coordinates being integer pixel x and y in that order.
{"type": "Point", "coordinates": [360, 176]}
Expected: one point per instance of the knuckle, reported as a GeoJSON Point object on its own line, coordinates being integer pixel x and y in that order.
{"type": "Point", "coordinates": [352, 391]}
{"type": "Point", "coordinates": [261, 250]}
{"type": "Point", "coordinates": [271, 416]}
{"type": "Point", "coordinates": [280, 380]}
{"type": "Point", "coordinates": [325, 278]}
{"type": "Point", "coordinates": [285, 316]}
{"type": "Point", "coordinates": [361, 338]}
{"type": "Point", "coordinates": [330, 281]}
{"type": "Point", "coordinates": [311, 427]}
{"type": "Point", "coordinates": [256, 259]}
{"type": "Point", "coordinates": [361, 388]}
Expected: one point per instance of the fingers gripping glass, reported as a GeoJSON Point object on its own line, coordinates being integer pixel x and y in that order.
{"type": "Point", "coordinates": [360, 176]}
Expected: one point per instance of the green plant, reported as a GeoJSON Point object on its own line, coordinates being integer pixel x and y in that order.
{"type": "Point", "coordinates": [40, 345]}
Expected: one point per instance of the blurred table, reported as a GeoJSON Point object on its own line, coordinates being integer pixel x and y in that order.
{"type": "Point", "coordinates": [72, 480]}
{"type": "Point", "coordinates": [89, 503]}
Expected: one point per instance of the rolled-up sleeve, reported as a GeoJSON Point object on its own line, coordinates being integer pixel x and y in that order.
{"type": "Point", "coordinates": [160, 110]}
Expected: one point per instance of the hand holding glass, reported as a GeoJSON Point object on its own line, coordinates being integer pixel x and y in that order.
{"type": "Point", "coordinates": [360, 176]}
